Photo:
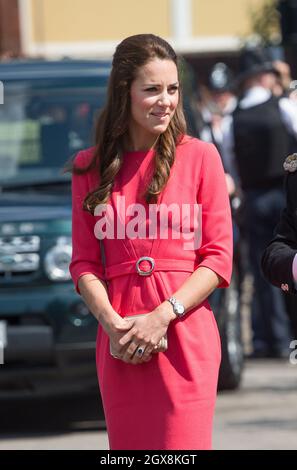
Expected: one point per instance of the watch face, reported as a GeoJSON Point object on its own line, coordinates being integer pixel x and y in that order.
{"type": "Point", "coordinates": [180, 308]}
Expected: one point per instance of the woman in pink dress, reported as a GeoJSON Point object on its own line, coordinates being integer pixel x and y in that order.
{"type": "Point", "coordinates": [152, 238]}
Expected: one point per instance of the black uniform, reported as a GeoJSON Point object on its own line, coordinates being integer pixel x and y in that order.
{"type": "Point", "coordinates": [278, 257]}
{"type": "Point", "coordinates": [261, 139]}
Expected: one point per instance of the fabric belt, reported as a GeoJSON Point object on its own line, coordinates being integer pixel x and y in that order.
{"type": "Point", "coordinates": [146, 265]}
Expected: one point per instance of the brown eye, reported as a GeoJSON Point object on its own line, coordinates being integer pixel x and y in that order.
{"type": "Point", "coordinates": [173, 89]}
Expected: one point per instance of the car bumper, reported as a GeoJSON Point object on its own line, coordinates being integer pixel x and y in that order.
{"type": "Point", "coordinates": [50, 341]}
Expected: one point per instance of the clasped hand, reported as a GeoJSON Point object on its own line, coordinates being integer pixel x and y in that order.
{"type": "Point", "coordinates": [145, 332]}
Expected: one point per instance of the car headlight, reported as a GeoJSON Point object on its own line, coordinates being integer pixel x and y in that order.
{"type": "Point", "coordinates": [57, 260]}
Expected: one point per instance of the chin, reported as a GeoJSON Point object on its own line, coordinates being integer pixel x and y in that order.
{"type": "Point", "coordinates": [159, 129]}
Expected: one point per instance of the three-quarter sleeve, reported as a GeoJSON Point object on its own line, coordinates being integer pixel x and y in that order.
{"type": "Point", "coordinates": [216, 250]}
{"type": "Point", "coordinates": [86, 252]}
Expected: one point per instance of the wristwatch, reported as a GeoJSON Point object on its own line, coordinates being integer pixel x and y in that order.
{"type": "Point", "coordinates": [178, 307]}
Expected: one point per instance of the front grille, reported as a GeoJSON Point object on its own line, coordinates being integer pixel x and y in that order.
{"type": "Point", "coordinates": [19, 256]}
{"type": "Point", "coordinates": [23, 243]}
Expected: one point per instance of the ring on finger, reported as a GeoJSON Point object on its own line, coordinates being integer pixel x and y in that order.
{"type": "Point", "coordinates": [140, 351]}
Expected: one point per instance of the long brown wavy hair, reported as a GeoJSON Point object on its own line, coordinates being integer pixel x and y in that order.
{"type": "Point", "coordinates": [112, 124]}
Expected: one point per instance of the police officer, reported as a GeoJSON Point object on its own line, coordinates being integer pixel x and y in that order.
{"type": "Point", "coordinates": [260, 130]}
{"type": "Point", "coordinates": [220, 103]}
{"type": "Point", "coordinates": [279, 260]}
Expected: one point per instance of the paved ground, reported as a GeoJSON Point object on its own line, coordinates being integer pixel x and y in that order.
{"type": "Point", "coordinates": [262, 415]}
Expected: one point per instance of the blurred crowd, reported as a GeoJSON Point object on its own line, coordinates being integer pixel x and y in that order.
{"type": "Point", "coordinates": [251, 117]}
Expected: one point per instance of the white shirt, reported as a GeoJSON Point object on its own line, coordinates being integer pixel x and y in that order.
{"type": "Point", "coordinates": [294, 270]}
{"type": "Point", "coordinates": [209, 131]}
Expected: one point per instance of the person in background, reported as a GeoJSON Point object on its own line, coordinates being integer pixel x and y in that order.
{"type": "Point", "coordinates": [279, 260]}
{"type": "Point", "coordinates": [260, 131]}
{"type": "Point", "coordinates": [220, 103]}
{"type": "Point", "coordinates": [283, 78]}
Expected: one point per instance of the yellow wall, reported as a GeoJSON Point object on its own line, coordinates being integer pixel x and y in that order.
{"type": "Point", "coordinates": [98, 21]}
{"type": "Point", "coordinates": [222, 17]}
{"type": "Point", "coordinates": [95, 20]}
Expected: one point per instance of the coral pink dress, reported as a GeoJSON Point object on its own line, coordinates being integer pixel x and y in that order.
{"type": "Point", "coordinates": [169, 402]}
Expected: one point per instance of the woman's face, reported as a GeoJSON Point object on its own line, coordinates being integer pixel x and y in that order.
{"type": "Point", "coordinates": [154, 98]}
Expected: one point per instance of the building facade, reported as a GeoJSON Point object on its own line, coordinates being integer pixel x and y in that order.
{"type": "Point", "coordinates": [92, 28]}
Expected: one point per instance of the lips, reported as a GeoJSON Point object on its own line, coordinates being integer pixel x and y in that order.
{"type": "Point", "coordinates": [160, 115]}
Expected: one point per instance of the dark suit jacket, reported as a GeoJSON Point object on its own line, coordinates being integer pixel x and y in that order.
{"type": "Point", "coordinates": [278, 257]}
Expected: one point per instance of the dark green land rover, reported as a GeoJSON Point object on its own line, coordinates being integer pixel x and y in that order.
{"type": "Point", "coordinates": [47, 116]}
{"type": "Point", "coordinates": [46, 330]}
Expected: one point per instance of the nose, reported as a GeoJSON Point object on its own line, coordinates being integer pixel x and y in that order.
{"type": "Point", "coordinates": [164, 99]}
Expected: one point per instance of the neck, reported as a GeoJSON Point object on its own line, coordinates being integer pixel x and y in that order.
{"type": "Point", "coordinates": [140, 143]}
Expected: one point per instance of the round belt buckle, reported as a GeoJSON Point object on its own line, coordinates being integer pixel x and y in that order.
{"type": "Point", "coordinates": [145, 258]}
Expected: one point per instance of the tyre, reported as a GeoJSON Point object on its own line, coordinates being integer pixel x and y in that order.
{"type": "Point", "coordinates": [231, 338]}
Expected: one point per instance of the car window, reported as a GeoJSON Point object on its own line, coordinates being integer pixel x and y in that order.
{"type": "Point", "coordinates": [41, 127]}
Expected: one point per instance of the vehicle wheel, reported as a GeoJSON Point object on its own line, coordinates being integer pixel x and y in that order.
{"type": "Point", "coordinates": [231, 338]}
